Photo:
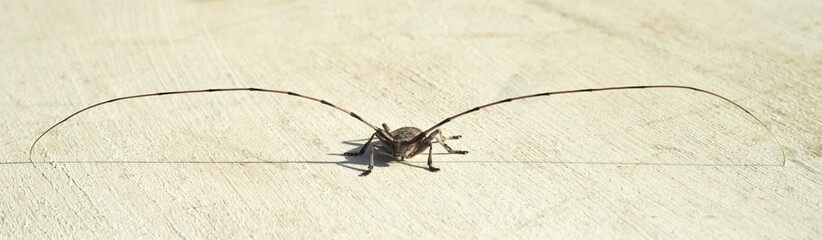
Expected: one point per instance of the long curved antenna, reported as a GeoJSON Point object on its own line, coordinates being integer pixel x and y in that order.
{"type": "Point", "coordinates": [423, 134]}
{"type": "Point", "coordinates": [352, 114]}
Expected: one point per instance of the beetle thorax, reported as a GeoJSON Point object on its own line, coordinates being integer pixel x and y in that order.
{"type": "Point", "coordinates": [402, 146]}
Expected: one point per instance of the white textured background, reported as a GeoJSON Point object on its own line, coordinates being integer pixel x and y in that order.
{"type": "Point", "coordinates": [629, 164]}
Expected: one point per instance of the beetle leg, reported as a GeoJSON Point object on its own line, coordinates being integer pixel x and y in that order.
{"type": "Point", "coordinates": [441, 139]}
{"type": "Point", "coordinates": [431, 167]}
{"type": "Point", "coordinates": [421, 147]}
{"type": "Point", "coordinates": [370, 163]}
{"type": "Point", "coordinates": [362, 150]}
{"type": "Point", "coordinates": [374, 149]}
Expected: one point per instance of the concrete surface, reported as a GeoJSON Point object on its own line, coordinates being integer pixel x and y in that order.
{"type": "Point", "coordinates": [630, 164]}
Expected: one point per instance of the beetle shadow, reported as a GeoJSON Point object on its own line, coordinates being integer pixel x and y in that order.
{"type": "Point", "coordinates": [362, 160]}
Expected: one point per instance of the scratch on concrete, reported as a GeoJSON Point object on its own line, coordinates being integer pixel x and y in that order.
{"type": "Point", "coordinates": [85, 194]}
{"type": "Point", "coordinates": [168, 220]}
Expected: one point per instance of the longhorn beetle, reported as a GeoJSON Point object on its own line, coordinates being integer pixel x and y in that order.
{"type": "Point", "coordinates": [407, 142]}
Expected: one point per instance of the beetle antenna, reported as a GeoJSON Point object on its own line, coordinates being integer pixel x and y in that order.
{"type": "Point", "coordinates": [781, 148]}
{"type": "Point", "coordinates": [352, 114]}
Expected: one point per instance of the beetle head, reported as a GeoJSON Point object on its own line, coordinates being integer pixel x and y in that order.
{"type": "Point", "coordinates": [402, 150]}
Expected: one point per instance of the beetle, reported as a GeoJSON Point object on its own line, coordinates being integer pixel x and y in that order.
{"type": "Point", "coordinates": [407, 142]}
